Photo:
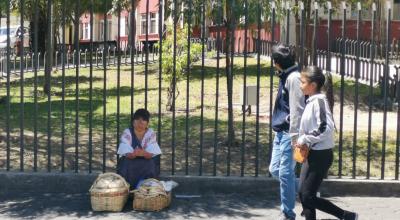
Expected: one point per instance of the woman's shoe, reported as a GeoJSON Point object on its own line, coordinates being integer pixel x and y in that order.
{"type": "Point", "coordinates": [350, 215]}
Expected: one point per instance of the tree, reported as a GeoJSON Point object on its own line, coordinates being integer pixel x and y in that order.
{"type": "Point", "coordinates": [3, 8]}
{"type": "Point", "coordinates": [180, 58]}
{"type": "Point", "coordinates": [231, 12]}
{"type": "Point", "coordinates": [53, 14]}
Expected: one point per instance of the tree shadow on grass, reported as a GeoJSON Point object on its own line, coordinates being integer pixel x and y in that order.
{"type": "Point", "coordinates": [211, 154]}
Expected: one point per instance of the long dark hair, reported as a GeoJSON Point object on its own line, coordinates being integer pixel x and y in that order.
{"type": "Point", "coordinates": [324, 82]}
{"type": "Point", "coordinates": [141, 113]}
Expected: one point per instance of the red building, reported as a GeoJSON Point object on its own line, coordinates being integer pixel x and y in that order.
{"type": "Point", "coordinates": [124, 25]}
{"type": "Point", "coordinates": [351, 31]}
{"type": "Point", "coordinates": [252, 36]}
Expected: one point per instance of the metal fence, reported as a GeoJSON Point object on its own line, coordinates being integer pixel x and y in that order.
{"type": "Point", "coordinates": [75, 123]}
{"type": "Point", "coordinates": [110, 55]}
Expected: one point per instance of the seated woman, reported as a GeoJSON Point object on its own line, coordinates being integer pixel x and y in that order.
{"type": "Point", "coordinates": [139, 151]}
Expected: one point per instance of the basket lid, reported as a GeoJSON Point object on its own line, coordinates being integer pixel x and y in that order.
{"type": "Point", "coordinates": [109, 182]}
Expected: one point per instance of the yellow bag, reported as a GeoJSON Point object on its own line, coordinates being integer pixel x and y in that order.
{"type": "Point", "coordinates": [300, 154]}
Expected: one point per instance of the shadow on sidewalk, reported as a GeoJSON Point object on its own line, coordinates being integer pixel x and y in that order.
{"type": "Point", "coordinates": [78, 205]}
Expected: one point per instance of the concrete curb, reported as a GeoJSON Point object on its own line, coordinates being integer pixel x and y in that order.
{"type": "Point", "coordinates": [72, 183]}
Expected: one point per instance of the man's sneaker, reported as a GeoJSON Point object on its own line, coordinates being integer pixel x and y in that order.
{"type": "Point", "coordinates": [350, 215]}
{"type": "Point", "coordinates": [283, 216]}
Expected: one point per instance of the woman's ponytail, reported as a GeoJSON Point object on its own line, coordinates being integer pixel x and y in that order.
{"type": "Point", "coordinates": [329, 90]}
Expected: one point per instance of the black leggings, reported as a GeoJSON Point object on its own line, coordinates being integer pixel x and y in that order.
{"type": "Point", "coordinates": [313, 172]}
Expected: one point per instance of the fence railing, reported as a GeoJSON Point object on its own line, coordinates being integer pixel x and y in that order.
{"type": "Point", "coordinates": [30, 61]}
{"type": "Point", "coordinates": [198, 107]}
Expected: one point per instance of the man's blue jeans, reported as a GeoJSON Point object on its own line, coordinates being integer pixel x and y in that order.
{"type": "Point", "coordinates": [282, 168]}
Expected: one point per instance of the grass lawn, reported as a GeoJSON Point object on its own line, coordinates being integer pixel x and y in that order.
{"type": "Point", "coordinates": [251, 154]}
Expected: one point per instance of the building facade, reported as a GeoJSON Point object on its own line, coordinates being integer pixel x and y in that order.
{"type": "Point", "coordinates": [141, 17]}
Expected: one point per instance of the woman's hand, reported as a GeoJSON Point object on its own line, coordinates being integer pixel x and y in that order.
{"type": "Point", "coordinates": [147, 155]}
{"type": "Point", "coordinates": [131, 155]}
{"type": "Point", "coordinates": [142, 153]}
{"type": "Point", "coordinates": [138, 152]}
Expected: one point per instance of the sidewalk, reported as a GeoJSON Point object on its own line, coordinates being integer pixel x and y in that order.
{"type": "Point", "coordinates": [65, 196]}
{"type": "Point", "coordinates": [211, 206]}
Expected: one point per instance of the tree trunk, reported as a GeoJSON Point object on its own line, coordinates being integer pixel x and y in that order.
{"type": "Point", "coordinates": [49, 47]}
{"type": "Point", "coordinates": [170, 95]}
{"type": "Point", "coordinates": [229, 69]}
{"type": "Point", "coordinates": [297, 23]}
{"type": "Point", "coordinates": [2, 99]}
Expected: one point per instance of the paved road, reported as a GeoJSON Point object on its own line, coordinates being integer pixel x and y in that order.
{"type": "Point", "coordinates": [231, 206]}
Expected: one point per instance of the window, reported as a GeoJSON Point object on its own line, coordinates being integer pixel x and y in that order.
{"type": "Point", "coordinates": [143, 23]}
{"type": "Point", "coordinates": [153, 23]}
{"type": "Point", "coordinates": [122, 26]}
{"type": "Point", "coordinates": [127, 28]}
{"type": "Point", "coordinates": [109, 30]}
{"type": "Point", "coordinates": [396, 10]}
{"type": "Point", "coordinates": [85, 32]}
{"type": "Point", "coordinates": [81, 31]}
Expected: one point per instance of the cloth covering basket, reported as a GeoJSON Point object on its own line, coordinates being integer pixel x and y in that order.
{"type": "Point", "coordinates": [109, 192]}
{"type": "Point", "coordinates": [151, 196]}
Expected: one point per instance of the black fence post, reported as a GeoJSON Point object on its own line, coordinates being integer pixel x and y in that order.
{"type": "Point", "coordinates": [77, 68]}
{"type": "Point", "coordinates": [342, 73]}
{"type": "Point", "coordinates": [287, 7]}
{"type": "Point", "coordinates": [118, 48]}
{"type": "Point", "coordinates": [315, 37]}
{"type": "Point", "coordinates": [385, 86]}
{"type": "Point", "coordinates": [271, 83]}
{"type": "Point", "coordinates": [175, 19]}
{"type": "Point", "coordinates": [203, 38]}
{"type": "Point", "coordinates": [90, 152]}
{"type": "Point", "coordinates": [357, 76]}
{"type": "Point", "coordinates": [188, 71]}
{"type": "Point", "coordinates": [106, 51]}
{"type": "Point", "coordinates": [242, 150]}
{"type": "Point", "coordinates": [398, 122]}
{"type": "Point", "coordinates": [160, 36]}
{"type": "Point", "coordinates": [259, 81]}
{"type": "Point", "coordinates": [63, 22]}
{"type": "Point", "coordinates": [329, 55]}
{"type": "Point", "coordinates": [370, 90]}
{"type": "Point", "coordinates": [302, 38]}
{"type": "Point", "coordinates": [132, 49]}
{"type": "Point", "coordinates": [8, 89]}
{"type": "Point", "coordinates": [146, 64]}
{"type": "Point", "coordinates": [22, 104]}
{"type": "Point", "coordinates": [35, 98]}
{"type": "Point", "coordinates": [219, 44]}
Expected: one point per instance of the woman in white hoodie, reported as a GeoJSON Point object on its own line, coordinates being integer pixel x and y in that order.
{"type": "Point", "coordinates": [316, 134]}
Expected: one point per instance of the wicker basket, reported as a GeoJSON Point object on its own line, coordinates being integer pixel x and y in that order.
{"type": "Point", "coordinates": [109, 192]}
{"type": "Point", "coordinates": [151, 198]}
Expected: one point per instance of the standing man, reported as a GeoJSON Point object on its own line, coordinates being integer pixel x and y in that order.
{"type": "Point", "coordinates": [289, 106]}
